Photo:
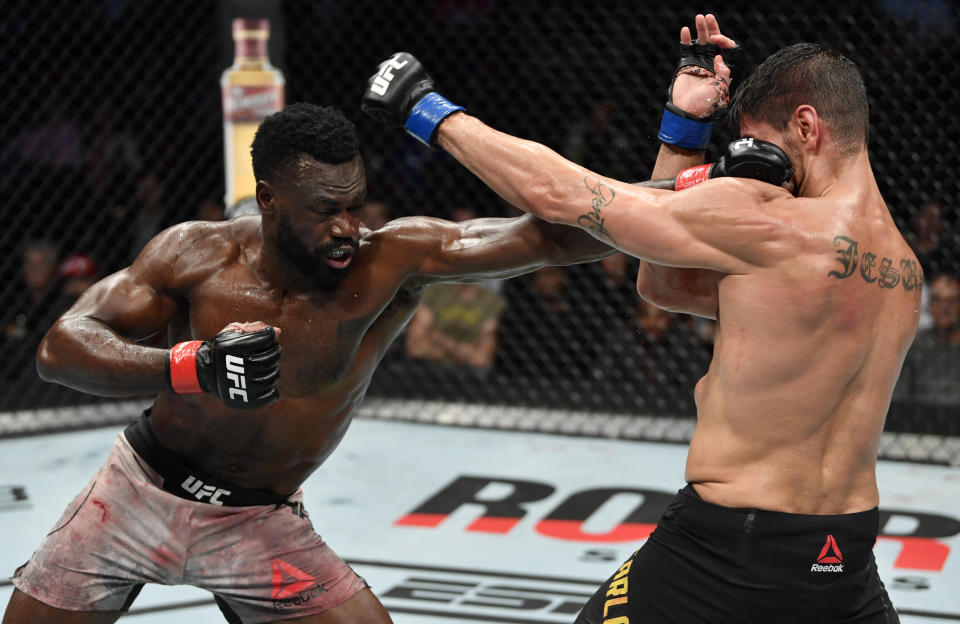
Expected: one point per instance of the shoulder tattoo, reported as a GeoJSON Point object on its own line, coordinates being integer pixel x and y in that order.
{"type": "Point", "coordinates": [886, 272]}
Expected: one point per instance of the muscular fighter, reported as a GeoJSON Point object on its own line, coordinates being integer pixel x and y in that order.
{"type": "Point", "coordinates": [817, 298]}
{"type": "Point", "coordinates": [204, 488]}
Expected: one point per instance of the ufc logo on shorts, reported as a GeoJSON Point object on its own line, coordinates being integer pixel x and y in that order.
{"type": "Point", "coordinates": [235, 375]}
{"type": "Point", "coordinates": [382, 80]}
{"type": "Point", "coordinates": [196, 487]}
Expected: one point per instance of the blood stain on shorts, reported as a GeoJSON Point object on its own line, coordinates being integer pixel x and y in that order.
{"type": "Point", "coordinates": [103, 507]}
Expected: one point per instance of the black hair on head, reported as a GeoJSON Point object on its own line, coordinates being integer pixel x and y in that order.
{"type": "Point", "coordinates": [806, 73]}
{"type": "Point", "coordinates": [321, 132]}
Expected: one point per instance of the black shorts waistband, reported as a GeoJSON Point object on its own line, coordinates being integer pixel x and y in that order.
{"type": "Point", "coordinates": [187, 482]}
{"type": "Point", "coordinates": [765, 522]}
{"type": "Point", "coordinates": [775, 541]}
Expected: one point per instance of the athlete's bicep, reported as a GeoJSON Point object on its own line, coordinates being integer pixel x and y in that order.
{"type": "Point", "coordinates": [136, 301]}
{"type": "Point", "coordinates": [490, 248]}
{"type": "Point", "coordinates": [128, 305]}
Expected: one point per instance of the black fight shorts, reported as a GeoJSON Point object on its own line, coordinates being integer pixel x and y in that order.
{"type": "Point", "coordinates": [708, 564]}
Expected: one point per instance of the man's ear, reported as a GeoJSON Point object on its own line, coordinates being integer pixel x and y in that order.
{"type": "Point", "coordinates": [265, 196]}
{"type": "Point", "coordinates": [807, 126]}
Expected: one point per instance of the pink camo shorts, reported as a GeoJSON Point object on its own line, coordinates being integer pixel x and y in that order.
{"type": "Point", "coordinates": [262, 563]}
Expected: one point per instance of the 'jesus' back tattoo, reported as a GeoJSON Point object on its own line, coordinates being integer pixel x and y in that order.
{"type": "Point", "coordinates": [884, 273]}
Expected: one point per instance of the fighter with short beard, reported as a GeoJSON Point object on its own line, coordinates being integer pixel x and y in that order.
{"type": "Point", "coordinates": [204, 488]}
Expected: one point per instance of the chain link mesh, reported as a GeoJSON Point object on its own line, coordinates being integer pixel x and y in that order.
{"type": "Point", "coordinates": [112, 131]}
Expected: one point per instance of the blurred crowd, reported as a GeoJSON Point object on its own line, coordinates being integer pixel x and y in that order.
{"type": "Point", "coordinates": [100, 155]}
{"type": "Point", "coordinates": [567, 337]}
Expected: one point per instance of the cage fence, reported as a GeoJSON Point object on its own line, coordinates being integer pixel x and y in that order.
{"type": "Point", "coordinates": [113, 131]}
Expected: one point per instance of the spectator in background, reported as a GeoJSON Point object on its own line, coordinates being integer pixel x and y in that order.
{"type": "Point", "coordinates": [550, 286]}
{"type": "Point", "coordinates": [598, 144]}
{"type": "Point", "coordinates": [923, 23]}
{"type": "Point", "coordinates": [78, 272]}
{"type": "Point", "coordinates": [935, 246]}
{"type": "Point", "coordinates": [113, 155]}
{"type": "Point", "coordinates": [945, 309]}
{"type": "Point", "coordinates": [616, 288]}
{"type": "Point", "coordinates": [455, 325]}
{"type": "Point", "coordinates": [57, 142]}
{"type": "Point", "coordinates": [546, 339]}
{"type": "Point", "coordinates": [149, 211]}
{"type": "Point", "coordinates": [210, 210]}
{"type": "Point", "coordinates": [375, 214]}
{"type": "Point", "coordinates": [658, 353]}
{"type": "Point", "coordinates": [37, 288]}
{"type": "Point", "coordinates": [33, 305]}
{"type": "Point", "coordinates": [615, 270]}
{"type": "Point", "coordinates": [931, 371]}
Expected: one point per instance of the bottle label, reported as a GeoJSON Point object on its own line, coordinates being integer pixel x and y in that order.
{"type": "Point", "coordinates": [250, 104]}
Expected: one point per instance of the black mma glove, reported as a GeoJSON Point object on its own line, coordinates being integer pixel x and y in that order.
{"type": "Point", "coordinates": [240, 368]}
{"type": "Point", "coordinates": [744, 158]}
{"type": "Point", "coordinates": [401, 93]}
{"type": "Point", "coordinates": [677, 126]}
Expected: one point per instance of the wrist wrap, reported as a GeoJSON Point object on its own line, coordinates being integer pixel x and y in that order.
{"type": "Point", "coordinates": [693, 176]}
{"type": "Point", "coordinates": [686, 132]}
{"type": "Point", "coordinates": [679, 127]}
{"type": "Point", "coordinates": [183, 367]}
{"type": "Point", "coordinates": [427, 114]}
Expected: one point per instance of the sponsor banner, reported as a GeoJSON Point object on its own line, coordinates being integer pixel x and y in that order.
{"type": "Point", "coordinates": [493, 526]}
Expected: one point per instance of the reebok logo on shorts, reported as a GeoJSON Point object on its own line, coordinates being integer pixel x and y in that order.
{"type": "Point", "coordinates": [830, 558]}
{"type": "Point", "coordinates": [292, 586]}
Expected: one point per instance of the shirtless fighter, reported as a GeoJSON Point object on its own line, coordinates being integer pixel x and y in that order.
{"type": "Point", "coordinates": [817, 298]}
{"type": "Point", "coordinates": [203, 489]}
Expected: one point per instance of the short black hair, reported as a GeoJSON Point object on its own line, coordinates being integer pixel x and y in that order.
{"type": "Point", "coordinates": [807, 73]}
{"type": "Point", "coordinates": [321, 132]}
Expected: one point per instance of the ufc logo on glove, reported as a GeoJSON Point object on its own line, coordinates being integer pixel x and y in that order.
{"type": "Point", "coordinates": [381, 81]}
{"type": "Point", "coordinates": [235, 375]}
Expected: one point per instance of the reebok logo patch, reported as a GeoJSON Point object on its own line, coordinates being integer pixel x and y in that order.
{"type": "Point", "coordinates": [292, 587]}
{"type": "Point", "coordinates": [288, 580]}
{"type": "Point", "coordinates": [830, 558]}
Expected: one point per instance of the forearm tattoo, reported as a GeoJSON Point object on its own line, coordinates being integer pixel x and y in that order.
{"type": "Point", "coordinates": [592, 221]}
{"type": "Point", "coordinates": [885, 274]}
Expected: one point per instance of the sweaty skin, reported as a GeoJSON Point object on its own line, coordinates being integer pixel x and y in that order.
{"type": "Point", "coordinates": [197, 278]}
{"type": "Point", "coordinates": [817, 299]}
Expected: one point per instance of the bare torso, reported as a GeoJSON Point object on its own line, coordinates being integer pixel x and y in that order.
{"type": "Point", "coordinates": [806, 356]}
{"type": "Point", "coordinates": [331, 341]}
{"type": "Point", "coordinates": [197, 278]}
